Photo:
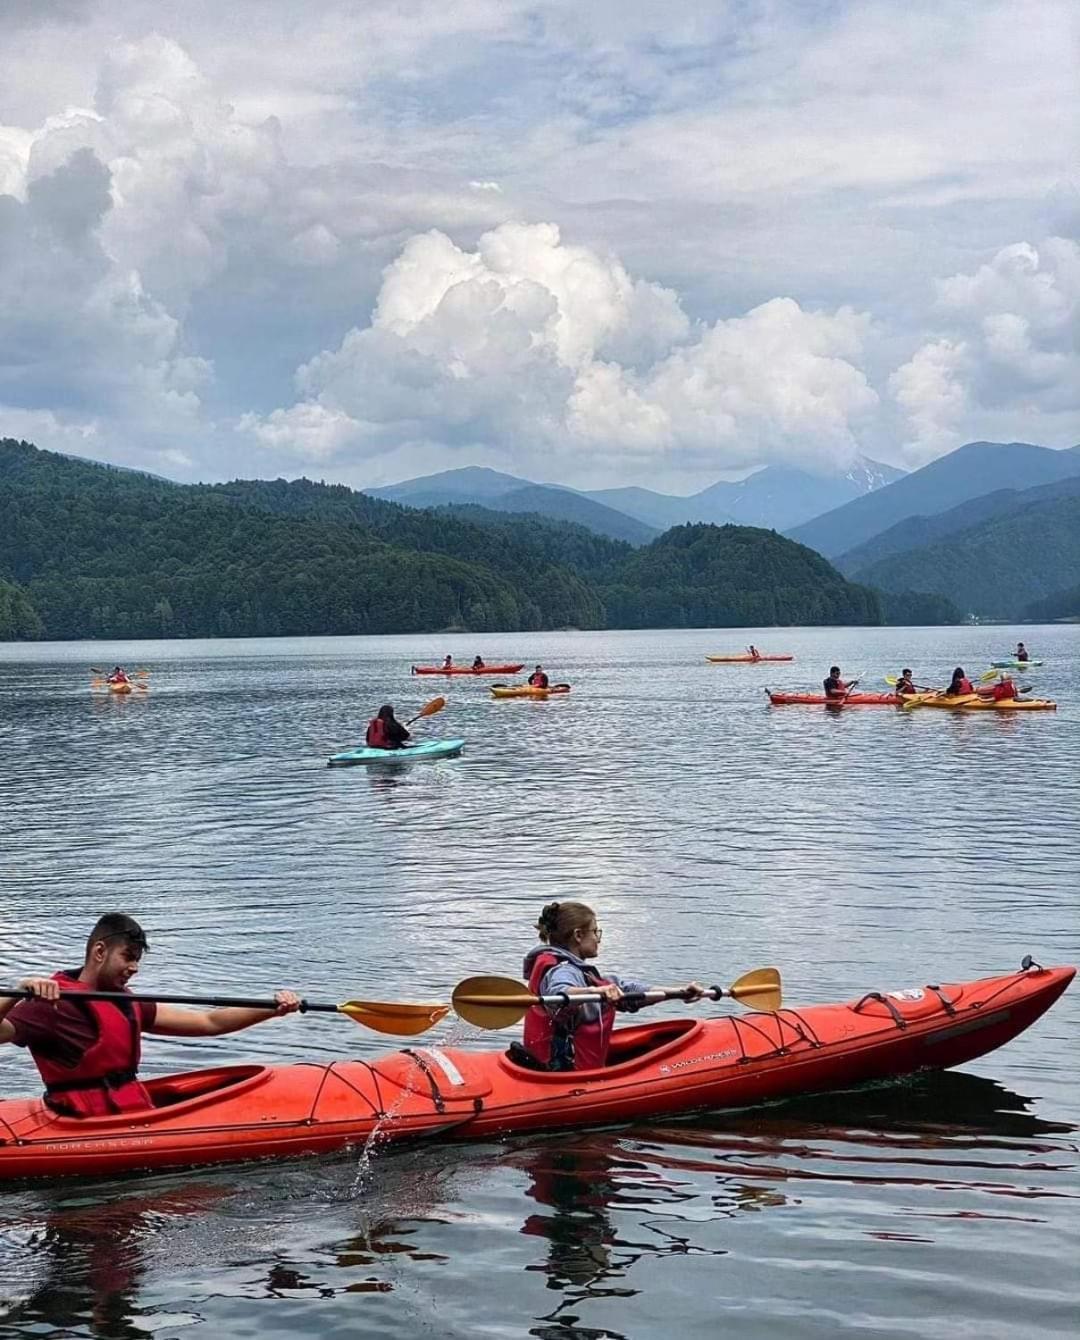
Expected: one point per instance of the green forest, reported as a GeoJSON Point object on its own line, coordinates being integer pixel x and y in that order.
{"type": "Point", "coordinates": [92, 551]}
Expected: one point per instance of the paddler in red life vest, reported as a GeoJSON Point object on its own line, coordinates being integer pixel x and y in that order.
{"type": "Point", "coordinates": [755, 655]}
{"type": "Point", "coordinates": [538, 679]}
{"type": "Point", "coordinates": [959, 684]}
{"type": "Point", "coordinates": [88, 1051]}
{"type": "Point", "coordinates": [385, 731]}
{"type": "Point", "coordinates": [834, 685]}
{"type": "Point", "coordinates": [904, 687]}
{"type": "Point", "coordinates": [1005, 688]}
{"type": "Point", "coordinates": [118, 676]}
{"type": "Point", "coordinates": [574, 1037]}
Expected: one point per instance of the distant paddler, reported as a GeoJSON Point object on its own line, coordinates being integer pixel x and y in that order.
{"type": "Point", "coordinates": [904, 685]}
{"type": "Point", "coordinates": [836, 690]}
{"type": "Point", "coordinates": [385, 731]}
{"type": "Point", "coordinates": [959, 685]}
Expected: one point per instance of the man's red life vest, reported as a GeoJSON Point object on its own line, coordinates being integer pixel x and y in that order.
{"type": "Point", "coordinates": [105, 1080]}
{"type": "Point", "coordinates": [378, 737]}
{"type": "Point", "coordinates": [590, 1039]}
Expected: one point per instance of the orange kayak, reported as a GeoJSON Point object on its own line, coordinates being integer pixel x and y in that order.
{"type": "Point", "coordinates": [850, 700]}
{"type": "Point", "coordinates": [243, 1112]}
{"type": "Point", "coordinates": [745, 659]}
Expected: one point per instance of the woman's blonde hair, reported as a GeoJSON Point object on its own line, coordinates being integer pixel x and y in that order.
{"type": "Point", "coordinates": [559, 921]}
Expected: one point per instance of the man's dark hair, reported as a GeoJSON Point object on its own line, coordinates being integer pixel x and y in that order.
{"type": "Point", "coordinates": [118, 926]}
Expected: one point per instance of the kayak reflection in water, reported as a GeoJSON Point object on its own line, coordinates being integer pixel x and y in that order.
{"type": "Point", "coordinates": [904, 686]}
{"type": "Point", "coordinates": [385, 731]}
{"type": "Point", "coordinates": [574, 1037]}
{"type": "Point", "coordinates": [88, 1052]}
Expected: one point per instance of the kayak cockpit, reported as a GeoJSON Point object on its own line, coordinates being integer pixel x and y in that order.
{"type": "Point", "coordinates": [631, 1049]}
{"type": "Point", "coordinates": [175, 1094]}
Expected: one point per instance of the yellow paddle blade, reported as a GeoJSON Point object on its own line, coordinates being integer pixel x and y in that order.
{"type": "Point", "coordinates": [400, 1019]}
{"type": "Point", "coordinates": [987, 675]}
{"type": "Point", "coordinates": [429, 709]}
{"type": "Point", "coordinates": [760, 988]}
{"type": "Point", "coordinates": [491, 1002]}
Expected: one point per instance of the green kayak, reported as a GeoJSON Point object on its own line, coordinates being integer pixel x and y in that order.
{"type": "Point", "coordinates": [1013, 664]}
{"type": "Point", "coordinates": [412, 753]}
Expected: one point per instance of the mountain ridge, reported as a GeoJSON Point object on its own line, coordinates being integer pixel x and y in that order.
{"type": "Point", "coordinates": [969, 472]}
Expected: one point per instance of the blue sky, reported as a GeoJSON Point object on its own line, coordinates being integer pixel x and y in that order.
{"type": "Point", "coordinates": [599, 244]}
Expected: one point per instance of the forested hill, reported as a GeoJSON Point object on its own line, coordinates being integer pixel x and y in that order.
{"type": "Point", "coordinates": [703, 576]}
{"type": "Point", "coordinates": [87, 550]}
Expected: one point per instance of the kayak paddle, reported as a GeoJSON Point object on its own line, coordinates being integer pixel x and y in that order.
{"type": "Point", "coordinates": [428, 710]}
{"type": "Point", "coordinates": [498, 1002]}
{"type": "Point", "coordinates": [395, 1017]}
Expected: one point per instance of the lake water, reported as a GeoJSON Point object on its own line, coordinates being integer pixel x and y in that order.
{"type": "Point", "coordinates": [856, 850]}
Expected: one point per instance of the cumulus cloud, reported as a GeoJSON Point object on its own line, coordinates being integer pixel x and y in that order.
{"type": "Point", "coordinates": [755, 206]}
{"type": "Point", "coordinates": [1010, 347]}
{"type": "Point", "coordinates": [556, 348]}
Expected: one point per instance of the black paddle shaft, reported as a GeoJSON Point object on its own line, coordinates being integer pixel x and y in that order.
{"type": "Point", "coordinates": [306, 1006]}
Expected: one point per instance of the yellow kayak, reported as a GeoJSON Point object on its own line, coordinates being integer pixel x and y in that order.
{"type": "Point", "coordinates": [1011, 705]}
{"type": "Point", "coordinates": [527, 691]}
{"type": "Point", "coordinates": [941, 699]}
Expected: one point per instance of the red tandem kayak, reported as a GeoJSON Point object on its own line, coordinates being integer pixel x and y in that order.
{"type": "Point", "coordinates": [852, 699]}
{"type": "Point", "coordinates": [242, 1112]}
{"type": "Point", "coordinates": [468, 670]}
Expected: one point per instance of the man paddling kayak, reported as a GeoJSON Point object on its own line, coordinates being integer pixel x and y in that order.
{"type": "Point", "coordinates": [87, 1052]}
{"type": "Point", "coordinates": [538, 679]}
{"type": "Point", "coordinates": [574, 1037]}
{"type": "Point", "coordinates": [904, 686]}
{"type": "Point", "coordinates": [835, 687]}
{"type": "Point", "coordinates": [1021, 652]}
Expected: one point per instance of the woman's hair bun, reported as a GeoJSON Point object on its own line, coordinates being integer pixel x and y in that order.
{"type": "Point", "coordinates": [549, 919]}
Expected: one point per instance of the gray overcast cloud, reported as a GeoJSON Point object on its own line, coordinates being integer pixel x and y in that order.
{"type": "Point", "coordinates": [591, 243]}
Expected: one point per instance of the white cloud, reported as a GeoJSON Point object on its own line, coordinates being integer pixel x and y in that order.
{"type": "Point", "coordinates": [1009, 348]}
{"type": "Point", "coordinates": [557, 349]}
{"type": "Point", "coordinates": [755, 205]}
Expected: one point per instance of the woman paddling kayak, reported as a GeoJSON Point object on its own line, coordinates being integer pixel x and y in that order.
{"type": "Point", "coordinates": [567, 1036]}
{"type": "Point", "coordinates": [385, 731]}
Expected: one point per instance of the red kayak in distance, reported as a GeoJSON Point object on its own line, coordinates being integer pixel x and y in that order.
{"type": "Point", "coordinates": [674, 1066]}
{"type": "Point", "coordinates": [468, 670]}
{"type": "Point", "coordinates": [852, 699]}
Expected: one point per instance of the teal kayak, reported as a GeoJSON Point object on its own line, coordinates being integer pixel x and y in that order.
{"type": "Point", "coordinates": [412, 753]}
{"type": "Point", "coordinates": [1013, 664]}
